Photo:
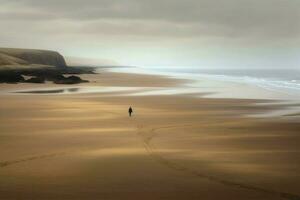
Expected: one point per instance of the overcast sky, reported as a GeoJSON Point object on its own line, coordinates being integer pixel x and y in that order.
{"type": "Point", "coordinates": [204, 33]}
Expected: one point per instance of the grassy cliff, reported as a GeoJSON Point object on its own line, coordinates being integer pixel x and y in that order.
{"type": "Point", "coordinates": [10, 56]}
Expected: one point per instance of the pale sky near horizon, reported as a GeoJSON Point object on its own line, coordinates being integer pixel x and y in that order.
{"type": "Point", "coordinates": [202, 33]}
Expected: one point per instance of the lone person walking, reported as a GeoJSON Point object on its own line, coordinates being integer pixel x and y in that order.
{"type": "Point", "coordinates": [130, 111]}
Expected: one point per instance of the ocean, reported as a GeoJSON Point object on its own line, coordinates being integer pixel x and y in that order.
{"type": "Point", "coordinates": [232, 83]}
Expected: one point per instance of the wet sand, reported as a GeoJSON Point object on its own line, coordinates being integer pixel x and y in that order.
{"type": "Point", "coordinates": [84, 146]}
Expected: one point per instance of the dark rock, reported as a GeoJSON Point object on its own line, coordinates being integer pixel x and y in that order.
{"type": "Point", "coordinates": [68, 80]}
{"type": "Point", "coordinates": [55, 77]}
{"type": "Point", "coordinates": [11, 78]}
{"type": "Point", "coordinates": [36, 80]}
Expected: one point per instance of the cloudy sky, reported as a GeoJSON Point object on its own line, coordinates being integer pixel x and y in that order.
{"type": "Point", "coordinates": [202, 33]}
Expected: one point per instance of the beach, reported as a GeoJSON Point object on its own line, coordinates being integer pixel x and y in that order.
{"type": "Point", "coordinates": [83, 145]}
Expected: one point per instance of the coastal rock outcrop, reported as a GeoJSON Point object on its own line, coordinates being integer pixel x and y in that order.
{"type": "Point", "coordinates": [39, 65]}
{"type": "Point", "coordinates": [11, 78]}
{"type": "Point", "coordinates": [69, 80]}
{"type": "Point", "coordinates": [38, 79]}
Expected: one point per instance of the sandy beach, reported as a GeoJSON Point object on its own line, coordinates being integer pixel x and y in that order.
{"type": "Point", "coordinates": [84, 146]}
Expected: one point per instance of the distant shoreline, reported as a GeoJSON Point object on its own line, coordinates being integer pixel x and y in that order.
{"type": "Point", "coordinates": [108, 81]}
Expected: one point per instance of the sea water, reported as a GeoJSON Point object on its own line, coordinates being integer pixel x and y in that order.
{"type": "Point", "coordinates": [232, 83]}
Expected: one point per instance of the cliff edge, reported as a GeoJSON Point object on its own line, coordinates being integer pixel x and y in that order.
{"type": "Point", "coordinates": [11, 56]}
{"type": "Point", "coordinates": [37, 66]}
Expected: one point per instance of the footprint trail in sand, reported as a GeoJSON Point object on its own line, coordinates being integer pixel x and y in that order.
{"type": "Point", "coordinates": [148, 135]}
{"type": "Point", "coordinates": [27, 159]}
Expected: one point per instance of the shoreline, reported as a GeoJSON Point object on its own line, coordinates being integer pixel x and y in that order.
{"type": "Point", "coordinates": [109, 81]}
{"type": "Point", "coordinates": [176, 146]}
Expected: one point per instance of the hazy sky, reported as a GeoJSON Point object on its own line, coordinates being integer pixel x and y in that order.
{"type": "Point", "coordinates": [204, 33]}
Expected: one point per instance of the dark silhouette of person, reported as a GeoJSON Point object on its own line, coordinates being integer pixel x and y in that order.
{"type": "Point", "coordinates": [130, 111]}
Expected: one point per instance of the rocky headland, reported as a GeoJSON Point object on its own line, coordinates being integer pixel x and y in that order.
{"type": "Point", "coordinates": [38, 66]}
